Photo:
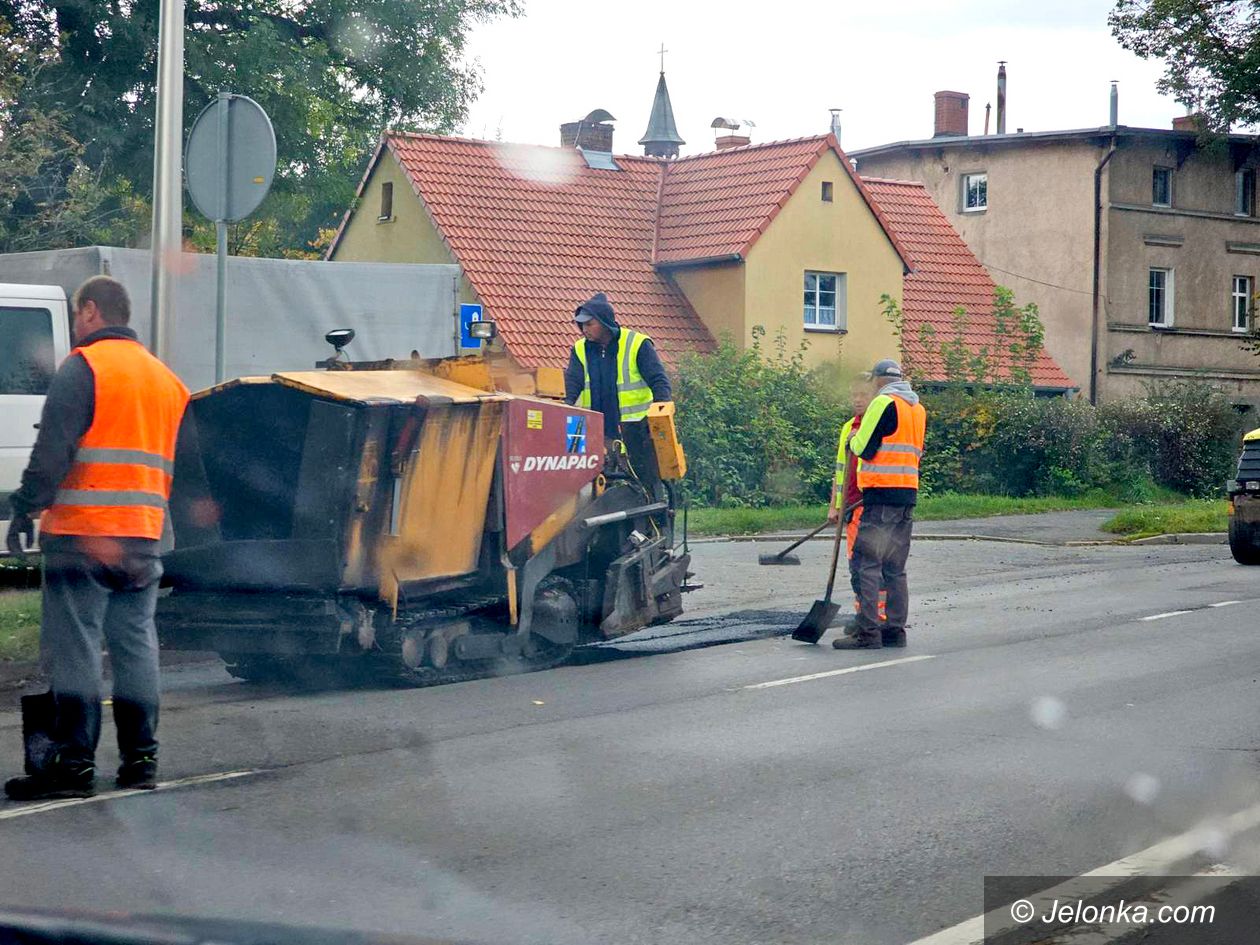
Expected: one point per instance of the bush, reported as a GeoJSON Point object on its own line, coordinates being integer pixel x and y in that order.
{"type": "Point", "coordinates": [762, 431]}
{"type": "Point", "coordinates": [1183, 435]}
{"type": "Point", "coordinates": [757, 430]}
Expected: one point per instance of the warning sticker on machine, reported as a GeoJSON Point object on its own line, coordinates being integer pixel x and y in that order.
{"type": "Point", "coordinates": [575, 434]}
{"type": "Point", "coordinates": [533, 419]}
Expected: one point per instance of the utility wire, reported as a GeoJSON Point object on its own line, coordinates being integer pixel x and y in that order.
{"type": "Point", "coordinates": [1052, 285]}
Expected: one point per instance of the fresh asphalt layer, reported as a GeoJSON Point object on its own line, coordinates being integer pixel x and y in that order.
{"type": "Point", "coordinates": [711, 781]}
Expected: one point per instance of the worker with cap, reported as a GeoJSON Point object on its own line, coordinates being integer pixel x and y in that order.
{"type": "Point", "coordinates": [889, 444]}
{"type": "Point", "coordinates": [616, 371]}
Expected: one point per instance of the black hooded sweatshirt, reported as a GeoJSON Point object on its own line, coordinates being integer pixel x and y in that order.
{"type": "Point", "coordinates": [602, 360]}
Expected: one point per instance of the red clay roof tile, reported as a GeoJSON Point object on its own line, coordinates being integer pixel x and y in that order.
{"type": "Point", "coordinates": [536, 231]}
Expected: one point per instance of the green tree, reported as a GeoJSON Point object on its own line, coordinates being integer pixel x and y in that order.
{"type": "Point", "coordinates": [49, 196]}
{"type": "Point", "coordinates": [332, 74]}
{"type": "Point", "coordinates": [1210, 49]}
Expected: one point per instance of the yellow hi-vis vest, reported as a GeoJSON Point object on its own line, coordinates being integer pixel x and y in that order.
{"type": "Point", "coordinates": [842, 464]}
{"type": "Point", "coordinates": [634, 396]}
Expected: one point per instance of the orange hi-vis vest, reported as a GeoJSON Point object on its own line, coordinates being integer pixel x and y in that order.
{"type": "Point", "coordinates": [121, 478]}
{"type": "Point", "coordinates": [896, 464]}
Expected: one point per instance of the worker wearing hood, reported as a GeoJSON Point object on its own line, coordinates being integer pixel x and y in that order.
{"type": "Point", "coordinates": [617, 372]}
{"type": "Point", "coordinates": [613, 370]}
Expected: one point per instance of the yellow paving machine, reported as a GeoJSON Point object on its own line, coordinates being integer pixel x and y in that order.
{"type": "Point", "coordinates": [429, 520]}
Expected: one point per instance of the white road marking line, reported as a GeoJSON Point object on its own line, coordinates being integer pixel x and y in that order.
{"type": "Point", "coordinates": [1156, 860]}
{"type": "Point", "coordinates": [837, 672]}
{"type": "Point", "coordinates": [1225, 603]}
{"type": "Point", "coordinates": [198, 779]}
{"type": "Point", "coordinates": [1171, 613]}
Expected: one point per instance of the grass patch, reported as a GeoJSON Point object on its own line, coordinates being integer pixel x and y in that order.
{"type": "Point", "coordinates": [19, 625]}
{"type": "Point", "coordinates": [947, 505]}
{"type": "Point", "coordinates": [1192, 515]}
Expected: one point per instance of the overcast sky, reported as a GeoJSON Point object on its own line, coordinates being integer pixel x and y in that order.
{"type": "Point", "coordinates": [783, 64]}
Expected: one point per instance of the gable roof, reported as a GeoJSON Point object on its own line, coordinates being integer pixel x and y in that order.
{"type": "Point", "coordinates": [946, 274]}
{"type": "Point", "coordinates": [714, 206]}
{"type": "Point", "coordinates": [536, 232]}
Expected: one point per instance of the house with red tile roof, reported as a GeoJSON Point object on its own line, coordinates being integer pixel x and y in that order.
{"type": "Point", "coordinates": [757, 241]}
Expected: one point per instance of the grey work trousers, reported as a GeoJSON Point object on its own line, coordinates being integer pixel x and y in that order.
{"type": "Point", "coordinates": [87, 602]}
{"type": "Point", "coordinates": [882, 546]}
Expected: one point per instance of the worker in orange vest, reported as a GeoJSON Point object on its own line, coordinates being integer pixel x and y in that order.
{"type": "Point", "coordinates": [101, 472]}
{"type": "Point", "coordinates": [890, 446]}
{"type": "Point", "coordinates": [845, 509]}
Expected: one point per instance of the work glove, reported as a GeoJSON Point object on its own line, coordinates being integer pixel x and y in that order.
{"type": "Point", "coordinates": [21, 525]}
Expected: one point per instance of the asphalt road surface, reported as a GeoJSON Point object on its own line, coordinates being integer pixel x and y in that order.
{"type": "Point", "coordinates": [1057, 709]}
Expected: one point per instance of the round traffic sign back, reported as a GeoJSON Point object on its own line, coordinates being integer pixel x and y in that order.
{"type": "Point", "coordinates": [231, 158]}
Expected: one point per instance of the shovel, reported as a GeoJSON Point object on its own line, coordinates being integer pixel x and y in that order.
{"type": "Point", "coordinates": [783, 557]}
{"type": "Point", "coordinates": [823, 612]}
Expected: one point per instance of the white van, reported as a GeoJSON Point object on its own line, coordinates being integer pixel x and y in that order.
{"type": "Point", "coordinates": [34, 338]}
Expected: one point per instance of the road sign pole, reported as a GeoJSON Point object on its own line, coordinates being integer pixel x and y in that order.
{"type": "Point", "coordinates": [168, 183]}
{"type": "Point", "coordinates": [220, 231]}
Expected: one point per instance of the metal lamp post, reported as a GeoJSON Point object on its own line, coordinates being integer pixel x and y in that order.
{"type": "Point", "coordinates": [168, 196]}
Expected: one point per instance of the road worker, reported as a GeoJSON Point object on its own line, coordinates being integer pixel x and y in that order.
{"type": "Point", "coordinates": [889, 444]}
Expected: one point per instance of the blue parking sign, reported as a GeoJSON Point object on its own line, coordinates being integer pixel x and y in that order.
{"type": "Point", "coordinates": [468, 313]}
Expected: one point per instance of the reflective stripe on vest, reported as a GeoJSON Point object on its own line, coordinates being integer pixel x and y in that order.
{"type": "Point", "coordinates": [896, 464]}
{"type": "Point", "coordinates": [120, 480]}
{"type": "Point", "coordinates": [634, 394]}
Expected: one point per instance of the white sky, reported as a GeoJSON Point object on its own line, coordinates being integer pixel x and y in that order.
{"type": "Point", "coordinates": [783, 63]}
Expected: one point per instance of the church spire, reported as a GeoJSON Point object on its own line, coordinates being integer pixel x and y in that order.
{"type": "Point", "coordinates": [661, 138]}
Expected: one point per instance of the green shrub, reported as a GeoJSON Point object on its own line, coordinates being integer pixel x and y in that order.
{"type": "Point", "coordinates": [761, 430]}
{"type": "Point", "coordinates": [757, 429]}
{"type": "Point", "coordinates": [1183, 435]}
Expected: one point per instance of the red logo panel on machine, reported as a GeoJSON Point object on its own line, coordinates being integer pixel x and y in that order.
{"type": "Point", "coordinates": [550, 451]}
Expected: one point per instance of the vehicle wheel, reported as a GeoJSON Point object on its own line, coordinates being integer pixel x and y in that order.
{"type": "Point", "coordinates": [1244, 541]}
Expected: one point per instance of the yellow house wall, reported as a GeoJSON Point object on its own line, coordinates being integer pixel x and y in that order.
{"type": "Point", "coordinates": [717, 295]}
{"type": "Point", "coordinates": [409, 236]}
{"type": "Point", "coordinates": [842, 236]}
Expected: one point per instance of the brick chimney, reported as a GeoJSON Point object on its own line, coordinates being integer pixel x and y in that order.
{"type": "Point", "coordinates": [1193, 123]}
{"type": "Point", "coordinates": [951, 114]}
{"type": "Point", "coordinates": [592, 133]}
{"type": "Point", "coordinates": [726, 142]}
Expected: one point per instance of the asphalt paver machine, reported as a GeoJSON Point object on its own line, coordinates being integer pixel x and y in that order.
{"type": "Point", "coordinates": [424, 520]}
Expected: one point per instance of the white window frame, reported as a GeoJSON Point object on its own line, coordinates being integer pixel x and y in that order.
{"type": "Point", "coordinates": [840, 301]}
{"type": "Point", "coordinates": [1245, 296]}
{"type": "Point", "coordinates": [966, 180]}
{"type": "Point", "coordinates": [1169, 171]}
{"type": "Point", "coordinates": [1169, 297]}
{"type": "Point", "coordinates": [1240, 179]}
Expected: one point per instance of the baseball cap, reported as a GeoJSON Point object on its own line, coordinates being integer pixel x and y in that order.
{"type": "Point", "coordinates": [885, 368]}
{"type": "Point", "coordinates": [582, 315]}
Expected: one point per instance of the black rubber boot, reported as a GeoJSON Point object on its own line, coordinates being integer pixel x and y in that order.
{"type": "Point", "coordinates": [893, 638]}
{"type": "Point", "coordinates": [862, 640]}
{"type": "Point", "coordinates": [137, 745]}
{"type": "Point", "coordinates": [59, 735]}
{"type": "Point", "coordinates": [77, 731]}
{"type": "Point", "coordinates": [55, 782]}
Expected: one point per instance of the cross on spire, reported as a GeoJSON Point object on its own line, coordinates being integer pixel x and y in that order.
{"type": "Point", "coordinates": [663, 51]}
